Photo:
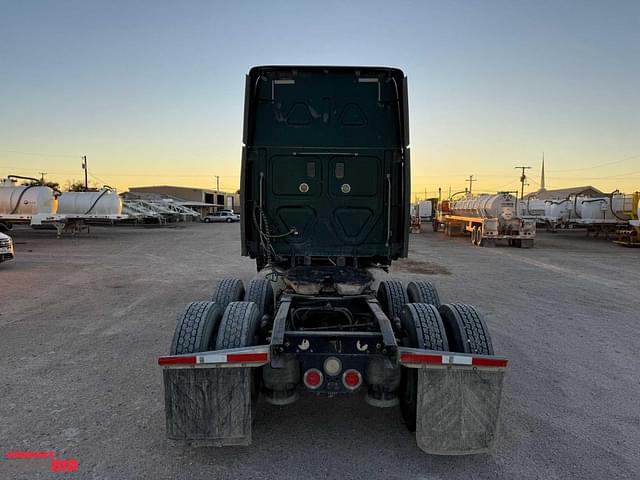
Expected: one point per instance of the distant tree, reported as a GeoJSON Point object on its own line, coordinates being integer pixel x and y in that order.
{"type": "Point", "coordinates": [78, 186]}
{"type": "Point", "coordinates": [54, 185]}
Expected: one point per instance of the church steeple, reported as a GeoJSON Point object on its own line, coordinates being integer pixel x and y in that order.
{"type": "Point", "coordinates": [542, 176]}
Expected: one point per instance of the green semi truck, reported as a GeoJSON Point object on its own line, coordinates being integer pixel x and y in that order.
{"type": "Point", "coordinates": [325, 191]}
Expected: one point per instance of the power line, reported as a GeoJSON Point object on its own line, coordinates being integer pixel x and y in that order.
{"type": "Point", "coordinates": [599, 165]}
{"type": "Point", "coordinates": [39, 154]}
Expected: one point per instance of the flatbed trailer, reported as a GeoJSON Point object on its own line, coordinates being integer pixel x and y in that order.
{"type": "Point", "coordinates": [72, 223]}
{"type": "Point", "coordinates": [325, 210]}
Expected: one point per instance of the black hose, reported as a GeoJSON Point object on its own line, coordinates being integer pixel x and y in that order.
{"type": "Point", "coordinates": [15, 209]}
{"type": "Point", "coordinates": [36, 180]}
{"type": "Point", "coordinates": [553, 202]}
{"type": "Point", "coordinates": [27, 187]}
{"type": "Point", "coordinates": [611, 206]}
{"type": "Point", "coordinates": [104, 191]}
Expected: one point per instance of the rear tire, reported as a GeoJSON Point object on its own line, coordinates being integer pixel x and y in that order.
{"type": "Point", "coordinates": [196, 329]}
{"type": "Point", "coordinates": [425, 330]}
{"type": "Point", "coordinates": [392, 297]}
{"type": "Point", "coordinates": [421, 291]}
{"type": "Point", "coordinates": [228, 290]}
{"type": "Point", "coordinates": [466, 329]}
{"type": "Point", "coordinates": [260, 292]}
{"type": "Point", "coordinates": [239, 328]}
{"type": "Point", "coordinates": [229, 220]}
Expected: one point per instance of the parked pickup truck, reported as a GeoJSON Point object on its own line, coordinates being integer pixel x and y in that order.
{"type": "Point", "coordinates": [6, 248]}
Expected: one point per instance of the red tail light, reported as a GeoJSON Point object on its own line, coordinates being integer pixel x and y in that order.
{"type": "Point", "coordinates": [352, 379]}
{"type": "Point", "coordinates": [313, 378]}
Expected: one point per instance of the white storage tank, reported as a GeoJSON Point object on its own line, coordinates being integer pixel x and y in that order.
{"type": "Point", "coordinates": [102, 202]}
{"type": "Point", "coordinates": [501, 206]}
{"type": "Point", "coordinates": [595, 209]}
{"type": "Point", "coordinates": [607, 208]}
{"type": "Point", "coordinates": [532, 207]}
{"type": "Point", "coordinates": [558, 210]}
{"type": "Point", "coordinates": [26, 200]}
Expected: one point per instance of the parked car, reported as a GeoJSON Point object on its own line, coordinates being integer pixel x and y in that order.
{"type": "Point", "coordinates": [222, 216]}
{"type": "Point", "coordinates": [6, 248]}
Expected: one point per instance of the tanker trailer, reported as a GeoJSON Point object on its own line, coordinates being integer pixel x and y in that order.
{"type": "Point", "coordinates": [325, 212]}
{"type": "Point", "coordinates": [489, 219]}
{"type": "Point", "coordinates": [103, 202]}
{"type": "Point", "coordinates": [532, 208]}
{"type": "Point", "coordinates": [558, 213]}
{"type": "Point", "coordinates": [20, 203]}
{"type": "Point", "coordinates": [629, 235]}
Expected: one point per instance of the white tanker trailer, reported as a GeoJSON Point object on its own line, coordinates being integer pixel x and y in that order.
{"type": "Point", "coordinates": [604, 213]}
{"type": "Point", "coordinates": [531, 208]}
{"type": "Point", "coordinates": [488, 219]}
{"type": "Point", "coordinates": [22, 201]}
{"type": "Point", "coordinates": [42, 207]}
{"type": "Point", "coordinates": [103, 202]}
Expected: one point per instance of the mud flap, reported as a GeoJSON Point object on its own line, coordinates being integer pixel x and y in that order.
{"type": "Point", "coordinates": [458, 409]}
{"type": "Point", "coordinates": [208, 406]}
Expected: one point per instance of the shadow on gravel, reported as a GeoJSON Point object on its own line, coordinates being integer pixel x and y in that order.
{"type": "Point", "coordinates": [421, 268]}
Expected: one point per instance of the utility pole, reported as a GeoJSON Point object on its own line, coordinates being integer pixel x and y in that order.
{"type": "Point", "coordinates": [42, 174]}
{"type": "Point", "coordinates": [86, 178]}
{"type": "Point", "coordinates": [523, 178]}
{"type": "Point", "coordinates": [471, 180]}
{"type": "Point", "coordinates": [217, 183]}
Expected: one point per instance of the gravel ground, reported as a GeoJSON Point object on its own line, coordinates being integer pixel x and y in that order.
{"type": "Point", "coordinates": [83, 320]}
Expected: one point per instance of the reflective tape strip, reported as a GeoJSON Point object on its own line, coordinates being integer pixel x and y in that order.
{"type": "Point", "coordinates": [212, 358]}
{"type": "Point", "coordinates": [456, 360]}
{"type": "Point", "coordinates": [177, 360]}
{"type": "Point", "coordinates": [247, 357]}
{"type": "Point", "coordinates": [420, 358]}
{"type": "Point", "coordinates": [490, 362]}
{"type": "Point", "coordinates": [452, 360]}
{"type": "Point", "coordinates": [215, 358]}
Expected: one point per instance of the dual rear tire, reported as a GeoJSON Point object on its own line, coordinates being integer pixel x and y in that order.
{"type": "Point", "coordinates": [451, 327]}
{"type": "Point", "coordinates": [231, 320]}
{"type": "Point", "coordinates": [392, 296]}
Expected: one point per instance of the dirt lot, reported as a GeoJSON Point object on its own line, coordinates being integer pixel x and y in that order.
{"type": "Point", "coordinates": [83, 321]}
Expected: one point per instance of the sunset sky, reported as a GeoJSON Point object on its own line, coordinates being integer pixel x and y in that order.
{"type": "Point", "coordinates": [152, 92]}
